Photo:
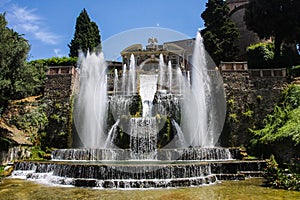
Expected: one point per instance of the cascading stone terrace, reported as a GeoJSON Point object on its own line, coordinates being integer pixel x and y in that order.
{"type": "Point", "coordinates": [80, 167]}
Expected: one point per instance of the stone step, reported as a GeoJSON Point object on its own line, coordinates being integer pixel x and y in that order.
{"type": "Point", "coordinates": [252, 173]}
{"type": "Point", "coordinates": [230, 177]}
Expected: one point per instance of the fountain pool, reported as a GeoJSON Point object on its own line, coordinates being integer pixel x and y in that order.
{"type": "Point", "coordinates": [158, 129]}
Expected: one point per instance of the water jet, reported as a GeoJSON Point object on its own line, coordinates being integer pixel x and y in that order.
{"type": "Point", "coordinates": [158, 128]}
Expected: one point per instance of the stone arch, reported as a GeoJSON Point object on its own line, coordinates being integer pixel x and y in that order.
{"type": "Point", "coordinates": [149, 65]}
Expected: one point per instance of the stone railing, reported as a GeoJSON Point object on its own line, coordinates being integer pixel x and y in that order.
{"type": "Point", "coordinates": [57, 70]}
{"type": "Point", "coordinates": [243, 66]}
{"type": "Point", "coordinates": [268, 72]}
{"type": "Point", "coordinates": [234, 66]}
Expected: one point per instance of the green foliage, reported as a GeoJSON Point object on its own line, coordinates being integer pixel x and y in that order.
{"type": "Point", "coordinates": [18, 78]}
{"type": "Point", "coordinates": [233, 118]}
{"type": "Point", "coordinates": [86, 37]}
{"type": "Point", "coordinates": [288, 178]}
{"type": "Point", "coordinates": [57, 132]}
{"type": "Point", "coordinates": [220, 33]}
{"type": "Point", "coordinates": [165, 134]}
{"type": "Point", "coordinates": [13, 53]}
{"type": "Point", "coordinates": [260, 55]}
{"type": "Point", "coordinates": [284, 122]}
{"type": "Point", "coordinates": [33, 122]}
{"type": "Point", "coordinates": [55, 61]}
{"type": "Point", "coordinates": [36, 153]}
{"type": "Point", "coordinates": [1, 172]}
{"type": "Point", "coordinates": [135, 107]}
{"type": "Point", "coordinates": [249, 113]}
{"type": "Point", "coordinates": [277, 18]}
{"type": "Point", "coordinates": [30, 80]}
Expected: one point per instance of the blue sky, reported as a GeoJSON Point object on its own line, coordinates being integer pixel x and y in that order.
{"type": "Point", "coordinates": [49, 26]}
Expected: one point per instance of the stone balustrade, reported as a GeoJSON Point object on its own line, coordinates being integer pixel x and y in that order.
{"type": "Point", "coordinates": [57, 70]}
{"type": "Point", "coordinates": [243, 66]}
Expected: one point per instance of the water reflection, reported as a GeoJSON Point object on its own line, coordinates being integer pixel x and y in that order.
{"type": "Point", "coordinates": [248, 189]}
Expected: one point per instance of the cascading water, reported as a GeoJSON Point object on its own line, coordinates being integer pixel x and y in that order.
{"type": "Point", "coordinates": [148, 86]}
{"type": "Point", "coordinates": [111, 135]}
{"type": "Point", "coordinates": [90, 108]}
{"type": "Point", "coordinates": [132, 76]}
{"type": "Point", "coordinates": [188, 77]}
{"type": "Point", "coordinates": [124, 80]}
{"type": "Point", "coordinates": [143, 143]}
{"type": "Point", "coordinates": [163, 147]}
{"type": "Point", "coordinates": [116, 82]}
{"type": "Point", "coordinates": [205, 121]}
{"type": "Point", "coordinates": [161, 72]}
{"type": "Point", "coordinates": [180, 140]}
{"type": "Point", "coordinates": [170, 76]}
{"type": "Point", "coordinates": [180, 80]}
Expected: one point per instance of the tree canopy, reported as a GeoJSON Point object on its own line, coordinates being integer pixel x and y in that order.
{"type": "Point", "coordinates": [220, 33]}
{"type": "Point", "coordinates": [18, 78]}
{"type": "Point", "coordinates": [277, 18]}
{"type": "Point", "coordinates": [86, 37]}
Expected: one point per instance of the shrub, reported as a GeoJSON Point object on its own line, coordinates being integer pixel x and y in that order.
{"type": "Point", "coordinates": [260, 55]}
{"type": "Point", "coordinates": [55, 61]}
{"type": "Point", "coordinates": [285, 178]}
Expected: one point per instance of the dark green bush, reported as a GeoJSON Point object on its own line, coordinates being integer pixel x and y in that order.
{"type": "Point", "coordinates": [289, 57]}
{"type": "Point", "coordinates": [260, 55]}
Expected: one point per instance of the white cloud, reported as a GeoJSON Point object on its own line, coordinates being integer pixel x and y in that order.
{"type": "Point", "coordinates": [58, 53]}
{"type": "Point", "coordinates": [29, 27]}
{"type": "Point", "coordinates": [46, 37]}
{"type": "Point", "coordinates": [25, 20]}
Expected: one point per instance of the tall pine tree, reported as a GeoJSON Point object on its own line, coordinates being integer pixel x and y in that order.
{"type": "Point", "coordinates": [220, 33]}
{"type": "Point", "coordinates": [86, 37]}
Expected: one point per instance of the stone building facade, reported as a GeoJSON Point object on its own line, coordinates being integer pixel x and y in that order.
{"type": "Point", "coordinates": [178, 52]}
{"type": "Point", "coordinates": [237, 11]}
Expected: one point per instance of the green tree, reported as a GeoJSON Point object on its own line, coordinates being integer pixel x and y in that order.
{"type": "Point", "coordinates": [277, 18]}
{"type": "Point", "coordinates": [86, 37]}
{"type": "Point", "coordinates": [18, 78]}
{"type": "Point", "coordinates": [30, 79]}
{"type": "Point", "coordinates": [220, 33]}
{"type": "Point", "coordinates": [260, 55]}
{"type": "Point", "coordinates": [13, 53]}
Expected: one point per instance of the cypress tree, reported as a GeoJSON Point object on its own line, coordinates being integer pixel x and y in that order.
{"type": "Point", "coordinates": [86, 37]}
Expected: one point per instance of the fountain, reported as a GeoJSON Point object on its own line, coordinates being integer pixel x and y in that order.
{"type": "Point", "coordinates": [157, 129]}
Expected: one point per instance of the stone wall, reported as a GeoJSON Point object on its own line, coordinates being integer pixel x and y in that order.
{"type": "Point", "coordinates": [251, 95]}
{"type": "Point", "coordinates": [249, 99]}
{"type": "Point", "coordinates": [58, 95]}
{"type": "Point", "coordinates": [233, 4]}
